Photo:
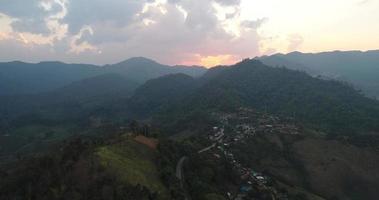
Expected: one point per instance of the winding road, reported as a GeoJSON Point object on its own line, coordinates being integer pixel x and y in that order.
{"type": "Point", "coordinates": [179, 169]}
{"type": "Point", "coordinates": [180, 176]}
{"type": "Point", "coordinates": [207, 148]}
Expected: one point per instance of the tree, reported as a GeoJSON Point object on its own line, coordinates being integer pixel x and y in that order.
{"type": "Point", "coordinates": [134, 126]}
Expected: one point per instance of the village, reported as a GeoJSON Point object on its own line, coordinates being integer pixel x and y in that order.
{"type": "Point", "coordinates": [235, 128]}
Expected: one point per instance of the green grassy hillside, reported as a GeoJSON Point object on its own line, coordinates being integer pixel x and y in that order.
{"type": "Point", "coordinates": [132, 163]}
{"type": "Point", "coordinates": [87, 168]}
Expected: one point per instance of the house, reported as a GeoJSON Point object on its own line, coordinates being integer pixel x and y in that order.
{"type": "Point", "coordinates": [245, 188]}
{"type": "Point", "coordinates": [260, 178]}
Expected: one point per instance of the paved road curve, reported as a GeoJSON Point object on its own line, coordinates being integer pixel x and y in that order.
{"type": "Point", "coordinates": [207, 148]}
{"type": "Point", "coordinates": [179, 169]}
{"type": "Point", "coordinates": [179, 175]}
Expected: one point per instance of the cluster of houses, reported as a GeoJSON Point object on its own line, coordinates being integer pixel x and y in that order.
{"type": "Point", "coordinates": [250, 178]}
{"type": "Point", "coordinates": [264, 123]}
{"type": "Point", "coordinates": [245, 124]}
{"type": "Point", "coordinates": [250, 122]}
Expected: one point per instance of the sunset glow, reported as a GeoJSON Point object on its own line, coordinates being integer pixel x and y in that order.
{"type": "Point", "coordinates": [210, 61]}
{"type": "Point", "coordinates": [197, 32]}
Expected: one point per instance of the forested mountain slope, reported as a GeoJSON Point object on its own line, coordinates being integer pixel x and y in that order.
{"type": "Point", "coordinates": [359, 68]}
{"type": "Point", "coordinates": [327, 105]}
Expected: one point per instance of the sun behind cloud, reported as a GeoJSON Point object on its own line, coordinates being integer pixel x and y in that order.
{"type": "Point", "coordinates": [211, 61]}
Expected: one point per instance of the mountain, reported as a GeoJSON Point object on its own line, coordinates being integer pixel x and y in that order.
{"type": "Point", "coordinates": [84, 93]}
{"type": "Point", "coordinates": [327, 105]}
{"type": "Point", "coordinates": [278, 60]}
{"type": "Point", "coordinates": [160, 93]}
{"type": "Point", "coordinates": [26, 78]}
{"type": "Point", "coordinates": [359, 68]}
{"type": "Point", "coordinates": [141, 69]}
{"type": "Point", "coordinates": [59, 113]}
{"type": "Point", "coordinates": [102, 86]}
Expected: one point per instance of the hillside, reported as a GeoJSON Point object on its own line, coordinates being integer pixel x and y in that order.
{"type": "Point", "coordinates": [83, 93]}
{"type": "Point", "coordinates": [297, 156]}
{"type": "Point", "coordinates": [359, 68]}
{"type": "Point", "coordinates": [84, 169]}
{"type": "Point", "coordinates": [258, 156]}
{"type": "Point", "coordinates": [102, 85]}
{"type": "Point", "coordinates": [326, 105]}
{"type": "Point", "coordinates": [35, 120]}
{"type": "Point", "coordinates": [295, 162]}
{"type": "Point", "coordinates": [158, 94]}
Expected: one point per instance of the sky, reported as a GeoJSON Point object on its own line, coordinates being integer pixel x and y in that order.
{"type": "Point", "coordinates": [188, 32]}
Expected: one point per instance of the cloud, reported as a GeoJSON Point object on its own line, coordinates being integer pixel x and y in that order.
{"type": "Point", "coordinates": [229, 2]}
{"type": "Point", "coordinates": [79, 45]}
{"type": "Point", "coordinates": [97, 31]}
{"type": "Point", "coordinates": [32, 15]}
{"type": "Point", "coordinates": [254, 24]}
{"type": "Point", "coordinates": [362, 2]}
{"type": "Point", "coordinates": [90, 12]}
{"type": "Point", "coordinates": [35, 22]}
{"type": "Point", "coordinates": [197, 34]}
{"type": "Point", "coordinates": [46, 28]}
{"type": "Point", "coordinates": [294, 41]}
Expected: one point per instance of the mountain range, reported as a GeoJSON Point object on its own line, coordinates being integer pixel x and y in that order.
{"type": "Point", "coordinates": [355, 67]}
{"type": "Point", "coordinates": [26, 78]}
{"type": "Point", "coordinates": [142, 88]}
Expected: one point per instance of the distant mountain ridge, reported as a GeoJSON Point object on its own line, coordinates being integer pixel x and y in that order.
{"type": "Point", "coordinates": [27, 78]}
{"type": "Point", "coordinates": [356, 67]}
{"type": "Point", "coordinates": [140, 69]}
